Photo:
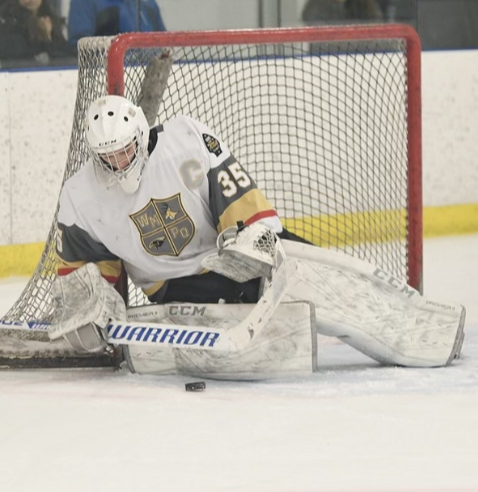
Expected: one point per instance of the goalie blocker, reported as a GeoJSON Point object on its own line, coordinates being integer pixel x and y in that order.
{"type": "Point", "coordinates": [357, 302]}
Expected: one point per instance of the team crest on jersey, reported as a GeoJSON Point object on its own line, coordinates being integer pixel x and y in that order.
{"type": "Point", "coordinates": [164, 226]}
{"type": "Point", "coordinates": [212, 144]}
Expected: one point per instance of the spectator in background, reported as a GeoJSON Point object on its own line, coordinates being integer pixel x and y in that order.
{"type": "Point", "coordinates": [402, 11]}
{"type": "Point", "coordinates": [32, 30]}
{"type": "Point", "coordinates": [110, 17]}
{"type": "Point", "coordinates": [341, 12]}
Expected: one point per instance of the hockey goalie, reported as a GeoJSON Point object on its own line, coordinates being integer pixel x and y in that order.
{"type": "Point", "coordinates": [174, 207]}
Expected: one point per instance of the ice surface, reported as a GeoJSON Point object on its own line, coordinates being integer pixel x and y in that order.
{"type": "Point", "coordinates": [352, 426]}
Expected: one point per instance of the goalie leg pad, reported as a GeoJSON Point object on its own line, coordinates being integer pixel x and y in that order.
{"type": "Point", "coordinates": [374, 312]}
{"type": "Point", "coordinates": [286, 346]}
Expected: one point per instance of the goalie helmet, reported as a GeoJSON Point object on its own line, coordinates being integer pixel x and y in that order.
{"type": "Point", "coordinates": [118, 133]}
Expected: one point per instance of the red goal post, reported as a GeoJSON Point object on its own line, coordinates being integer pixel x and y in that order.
{"type": "Point", "coordinates": [327, 120]}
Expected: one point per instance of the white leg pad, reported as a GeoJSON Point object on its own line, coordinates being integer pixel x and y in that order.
{"type": "Point", "coordinates": [374, 312]}
{"type": "Point", "coordinates": [287, 345]}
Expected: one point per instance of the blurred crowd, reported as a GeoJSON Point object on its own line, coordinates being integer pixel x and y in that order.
{"type": "Point", "coordinates": [46, 32]}
{"type": "Point", "coordinates": [32, 32]}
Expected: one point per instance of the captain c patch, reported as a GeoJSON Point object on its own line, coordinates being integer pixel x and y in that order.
{"type": "Point", "coordinates": [212, 144]}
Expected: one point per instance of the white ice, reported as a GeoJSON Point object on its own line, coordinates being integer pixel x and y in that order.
{"type": "Point", "coordinates": [352, 426]}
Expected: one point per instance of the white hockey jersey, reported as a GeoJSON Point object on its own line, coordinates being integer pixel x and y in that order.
{"type": "Point", "coordinates": [192, 188]}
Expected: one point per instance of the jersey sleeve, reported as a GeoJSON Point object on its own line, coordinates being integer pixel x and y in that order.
{"type": "Point", "coordinates": [233, 194]}
{"type": "Point", "coordinates": [75, 246]}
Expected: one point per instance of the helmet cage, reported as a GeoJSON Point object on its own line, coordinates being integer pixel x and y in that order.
{"type": "Point", "coordinates": [137, 158]}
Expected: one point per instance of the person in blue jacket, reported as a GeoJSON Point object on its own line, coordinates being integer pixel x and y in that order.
{"type": "Point", "coordinates": [31, 32]}
{"type": "Point", "coordinates": [110, 17]}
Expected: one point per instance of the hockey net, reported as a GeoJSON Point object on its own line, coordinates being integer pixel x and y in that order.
{"type": "Point", "coordinates": [326, 120]}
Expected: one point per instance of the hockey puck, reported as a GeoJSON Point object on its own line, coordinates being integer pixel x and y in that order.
{"type": "Point", "coordinates": [197, 386]}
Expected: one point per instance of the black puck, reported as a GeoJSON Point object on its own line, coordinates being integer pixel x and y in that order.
{"type": "Point", "coordinates": [197, 386]}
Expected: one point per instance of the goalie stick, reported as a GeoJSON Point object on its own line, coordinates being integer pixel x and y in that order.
{"type": "Point", "coordinates": [193, 337]}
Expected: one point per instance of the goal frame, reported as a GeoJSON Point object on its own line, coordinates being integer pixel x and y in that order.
{"type": "Point", "coordinates": [103, 71]}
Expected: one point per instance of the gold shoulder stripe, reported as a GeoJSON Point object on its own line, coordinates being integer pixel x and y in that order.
{"type": "Point", "coordinates": [110, 268]}
{"type": "Point", "coordinates": [245, 207]}
{"type": "Point", "coordinates": [152, 290]}
{"type": "Point", "coordinates": [67, 265]}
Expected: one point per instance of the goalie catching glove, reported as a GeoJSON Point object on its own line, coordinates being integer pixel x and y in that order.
{"type": "Point", "coordinates": [84, 304]}
{"type": "Point", "coordinates": [245, 252]}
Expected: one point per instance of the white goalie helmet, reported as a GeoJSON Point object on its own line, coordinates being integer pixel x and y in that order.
{"type": "Point", "coordinates": [118, 133]}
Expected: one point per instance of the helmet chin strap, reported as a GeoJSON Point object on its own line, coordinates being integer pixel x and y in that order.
{"type": "Point", "coordinates": [131, 178]}
{"type": "Point", "coordinates": [129, 182]}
